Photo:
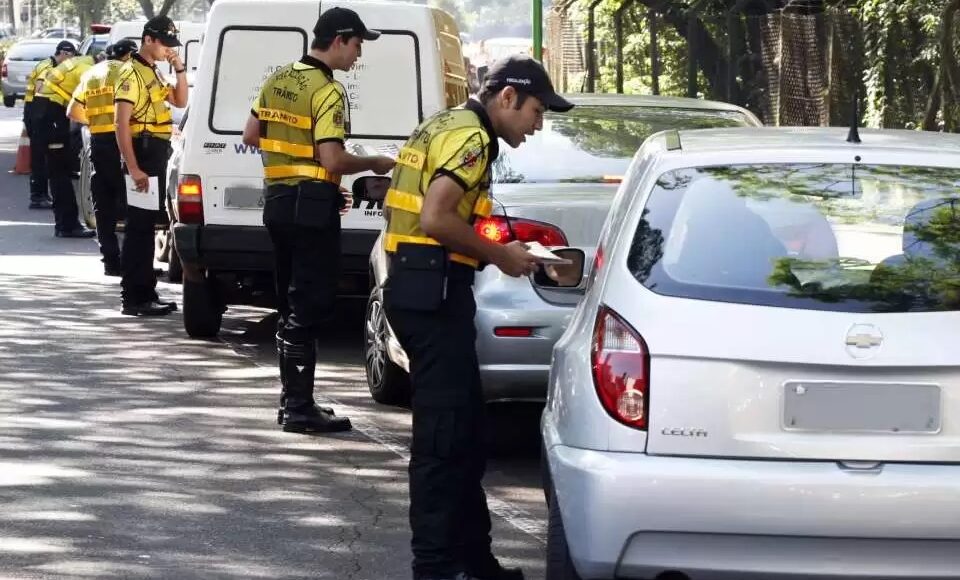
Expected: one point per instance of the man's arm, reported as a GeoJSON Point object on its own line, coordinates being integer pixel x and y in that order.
{"type": "Point", "coordinates": [334, 158]}
{"type": "Point", "coordinates": [439, 220]}
{"type": "Point", "coordinates": [77, 112]}
{"type": "Point", "coordinates": [124, 111]}
{"type": "Point", "coordinates": [251, 131]}
{"type": "Point", "coordinates": [179, 96]}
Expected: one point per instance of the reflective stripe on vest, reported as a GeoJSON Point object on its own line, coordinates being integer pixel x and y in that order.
{"type": "Point", "coordinates": [307, 171]}
{"type": "Point", "coordinates": [291, 149]}
{"type": "Point", "coordinates": [391, 241]}
{"type": "Point", "coordinates": [98, 91]}
{"type": "Point", "coordinates": [413, 203]}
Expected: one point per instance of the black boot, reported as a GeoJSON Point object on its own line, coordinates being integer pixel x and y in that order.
{"type": "Point", "coordinates": [490, 569]}
{"type": "Point", "coordinates": [283, 383]}
{"type": "Point", "coordinates": [300, 414]}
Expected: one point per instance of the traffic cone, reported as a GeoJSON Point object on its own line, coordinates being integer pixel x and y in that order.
{"type": "Point", "coordinates": [22, 164]}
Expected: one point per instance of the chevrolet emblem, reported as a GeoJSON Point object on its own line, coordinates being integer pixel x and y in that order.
{"type": "Point", "coordinates": [863, 340]}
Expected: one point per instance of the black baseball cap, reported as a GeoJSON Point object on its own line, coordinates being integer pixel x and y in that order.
{"type": "Point", "coordinates": [162, 29]}
{"type": "Point", "coordinates": [526, 75]}
{"type": "Point", "coordinates": [66, 46]}
{"type": "Point", "coordinates": [342, 21]}
{"type": "Point", "coordinates": [121, 48]}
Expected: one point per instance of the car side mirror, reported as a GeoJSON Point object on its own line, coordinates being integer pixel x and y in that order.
{"type": "Point", "coordinates": [371, 188]}
{"type": "Point", "coordinates": [568, 275]}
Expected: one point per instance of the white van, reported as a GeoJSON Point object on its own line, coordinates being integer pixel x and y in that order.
{"type": "Point", "coordinates": [412, 71]}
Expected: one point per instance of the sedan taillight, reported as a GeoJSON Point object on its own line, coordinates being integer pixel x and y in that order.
{"type": "Point", "coordinates": [621, 369]}
{"type": "Point", "coordinates": [503, 230]}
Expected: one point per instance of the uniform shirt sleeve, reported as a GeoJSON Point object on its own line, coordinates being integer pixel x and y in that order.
{"type": "Point", "coordinates": [462, 155]}
{"type": "Point", "coordinates": [330, 110]}
{"type": "Point", "coordinates": [128, 87]}
{"type": "Point", "coordinates": [257, 103]}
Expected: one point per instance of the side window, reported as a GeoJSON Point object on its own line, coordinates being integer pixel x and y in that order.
{"type": "Point", "coordinates": [384, 87]}
{"type": "Point", "coordinates": [191, 55]}
{"type": "Point", "coordinates": [247, 56]}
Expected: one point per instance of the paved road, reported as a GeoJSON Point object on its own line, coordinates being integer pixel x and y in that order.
{"type": "Point", "coordinates": [128, 450]}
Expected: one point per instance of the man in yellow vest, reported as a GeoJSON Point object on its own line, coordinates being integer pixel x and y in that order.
{"type": "Point", "coordinates": [299, 121]}
{"type": "Point", "coordinates": [39, 191]}
{"type": "Point", "coordinates": [440, 185]}
{"type": "Point", "coordinates": [144, 125]}
{"type": "Point", "coordinates": [53, 134]}
{"type": "Point", "coordinates": [92, 105]}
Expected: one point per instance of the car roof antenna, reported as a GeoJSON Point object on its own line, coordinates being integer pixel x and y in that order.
{"type": "Point", "coordinates": [854, 135]}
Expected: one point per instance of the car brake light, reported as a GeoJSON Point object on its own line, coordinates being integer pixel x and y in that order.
{"type": "Point", "coordinates": [496, 228]}
{"type": "Point", "coordinates": [190, 199]}
{"type": "Point", "coordinates": [513, 331]}
{"type": "Point", "coordinates": [621, 369]}
{"type": "Point", "coordinates": [3, 70]}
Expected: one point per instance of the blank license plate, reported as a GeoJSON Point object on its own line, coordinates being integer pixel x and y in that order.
{"type": "Point", "coordinates": [861, 407]}
{"type": "Point", "coordinates": [243, 197]}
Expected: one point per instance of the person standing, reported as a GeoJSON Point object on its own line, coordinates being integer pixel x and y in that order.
{"type": "Point", "coordinates": [53, 135]}
{"type": "Point", "coordinates": [440, 186]}
{"type": "Point", "coordinates": [39, 186]}
{"type": "Point", "coordinates": [92, 105]}
{"type": "Point", "coordinates": [299, 122]}
{"type": "Point", "coordinates": [144, 124]}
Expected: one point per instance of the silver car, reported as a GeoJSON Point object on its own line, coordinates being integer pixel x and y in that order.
{"type": "Point", "coordinates": [19, 62]}
{"type": "Point", "coordinates": [762, 380]}
{"type": "Point", "coordinates": [554, 189]}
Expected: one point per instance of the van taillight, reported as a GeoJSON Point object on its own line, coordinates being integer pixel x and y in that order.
{"type": "Point", "coordinates": [3, 71]}
{"type": "Point", "coordinates": [189, 199]}
{"type": "Point", "coordinates": [496, 228]}
{"type": "Point", "coordinates": [621, 369]}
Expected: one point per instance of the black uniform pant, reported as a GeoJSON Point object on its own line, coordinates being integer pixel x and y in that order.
{"type": "Point", "coordinates": [39, 191]}
{"type": "Point", "coordinates": [109, 194]}
{"type": "Point", "coordinates": [53, 136]}
{"type": "Point", "coordinates": [303, 221]}
{"type": "Point", "coordinates": [448, 507]}
{"type": "Point", "coordinates": [138, 282]}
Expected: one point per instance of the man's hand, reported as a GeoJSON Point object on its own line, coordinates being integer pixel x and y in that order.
{"type": "Point", "coordinates": [140, 179]}
{"type": "Point", "coordinates": [383, 164]}
{"type": "Point", "coordinates": [516, 261]}
{"type": "Point", "coordinates": [347, 202]}
{"type": "Point", "coordinates": [174, 59]}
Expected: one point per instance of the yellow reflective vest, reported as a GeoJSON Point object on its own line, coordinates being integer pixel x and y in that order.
{"type": "Point", "coordinates": [60, 81]}
{"type": "Point", "coordinates": [95, 94]}
{"type": "Point", "coordinates": [455, 143]}
{"type": "Point", "coordinates": [139, 84]}
{"type": "Point", "coordinates": [36, 75]}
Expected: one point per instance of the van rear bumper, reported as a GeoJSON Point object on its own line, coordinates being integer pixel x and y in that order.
{"type": "Point", "coordinates": [248, 248]}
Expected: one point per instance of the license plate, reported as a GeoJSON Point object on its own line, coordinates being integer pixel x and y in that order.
{"type": "Point", "coordinates": [22, 78]}
{"type": "Point", "coordinates": [243, 197]}
{"type": "Point", "coordinates": [861, 407]}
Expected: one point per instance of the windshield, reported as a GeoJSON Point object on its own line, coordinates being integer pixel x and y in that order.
{"type": "Point", "coordinates": [32, 51]}
{"type": "Point", "coordinates": [817, 236]}
{"type": "Point", "coordinates": [596, 143]}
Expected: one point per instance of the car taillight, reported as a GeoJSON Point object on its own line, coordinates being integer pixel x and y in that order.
{"type": "Point", "coordinates": [3, 70]}
{"type": "Point", "coordinates": [190, 199]}
{"type": "Point", "coordinates": [621, 369]}
{"type": "Point", "coordinates": [496, 228]}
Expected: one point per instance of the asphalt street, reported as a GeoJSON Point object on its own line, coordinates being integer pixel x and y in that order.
{"type": "Point", "coordinates": [128, 450]}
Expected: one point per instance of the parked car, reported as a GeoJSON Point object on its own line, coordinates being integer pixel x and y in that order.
{"type": "Point", "coordinates": [761, 381]}
{"type": "Point", "coordinates": [59, 33]}
{"type": "Point", "coordinates": [19, 62]}
{"type": "Point", "coordinates": [93, 44]}
{"type": "Point", "coordinates": [555, 189]}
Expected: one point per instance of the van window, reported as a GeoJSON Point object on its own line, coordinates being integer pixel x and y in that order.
{"type": "Point", "coordinates": [851, 238]}
{"type": "Point", "coordinates": [384, 87]}
{"type": "Point", "coordinates": [191, 54]}
{"type": "Point", "coordinates": [247, 56]}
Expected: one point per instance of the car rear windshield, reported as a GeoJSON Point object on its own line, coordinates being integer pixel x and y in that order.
{"type": "Point", "coordinates": [841, 237]}
{"type": "Point", "coordinates": [593, 144]}
{"type": "Point", "coordinates": [31, 51]}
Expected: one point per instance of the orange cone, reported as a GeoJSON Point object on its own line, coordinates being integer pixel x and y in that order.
{"type": "Point", "coordinates": [22, 164]}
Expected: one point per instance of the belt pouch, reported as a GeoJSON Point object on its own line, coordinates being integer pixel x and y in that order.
{"type": "Point", "coordinates": [417, 279]}
{"type": "Point", "coordinates": [317, 204]}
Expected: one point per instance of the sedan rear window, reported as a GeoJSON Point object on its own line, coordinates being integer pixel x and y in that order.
{"type": "Point", "coordinates": [31, 51]}
{"type": "Point", "coordinates": [838, 237]}
{"type": "Point", "coordinates": [594, 144]}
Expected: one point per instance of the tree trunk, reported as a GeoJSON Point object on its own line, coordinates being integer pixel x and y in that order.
{"type": "Point", "coordinates": [165, 8]}
{"type": "Point", "coordinates": [933, 105]}
{"type": "Point", "coordinates": [147, 6]}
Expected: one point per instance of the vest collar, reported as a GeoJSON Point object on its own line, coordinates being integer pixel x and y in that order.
{"type": "Point", "coordinates": [478, 109]}
{"type": "Point", "coordinates": [143, 61]}
{"type": "Point", "coordinates": [53, 61]}
{"type": "Point", "coordinates": [317, 63]}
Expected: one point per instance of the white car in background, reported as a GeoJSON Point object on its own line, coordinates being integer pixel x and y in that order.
{"type": "Point", "coordinates": [762, 380]}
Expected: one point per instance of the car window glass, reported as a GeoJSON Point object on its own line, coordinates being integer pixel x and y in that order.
{"type": "Point", "coordinates": [817, 236]}
{"type": "Point", "coordinates": [31, 51]}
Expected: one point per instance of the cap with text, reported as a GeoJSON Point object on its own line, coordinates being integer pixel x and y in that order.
{"type": "Point", "coordinates": [66, 46]}
{"type": "Point", "coordinates": [526, 75]}
{"type": "Point", "coordinates": [163, 30]}
{"type": "Point", "coordinates": [342, 22]}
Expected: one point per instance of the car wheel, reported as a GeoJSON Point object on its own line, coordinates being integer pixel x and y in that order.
{"type": "Point", "coordinates": [174, 266]}
{"type": "Point", "coordinates": [388, 382]}
{"type": "Point", "coordinates": [559, 564]}
{"type": "Point", "coordinates": [202, 312]}
{"type": "Point", "coordinates": [9, 100]}
{"type": "Point", "coordinates": [85, 191]}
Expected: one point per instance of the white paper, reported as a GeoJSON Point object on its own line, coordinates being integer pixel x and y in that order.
{"type": "Point", "coordinates": [149, 199]}
{"type": "Point", "coordinates": [545, 256]}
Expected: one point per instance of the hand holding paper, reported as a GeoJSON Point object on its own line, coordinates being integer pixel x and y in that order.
{"type": "Point", "coordinates": [147, 198]}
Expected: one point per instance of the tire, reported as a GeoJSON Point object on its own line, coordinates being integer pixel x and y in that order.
{"type": "Point", "coordinates": [202, 312]}
{"type": "Point", "coordinates": [389, 384]}
{"type": "Point", "coordinates": [174, 266]}
{"type": "Point", "coordinates": [559, 564]}
{"type": "Point", "coordinates": [85, 191]}
{"type": "Point", "coordinates": [9, 100]}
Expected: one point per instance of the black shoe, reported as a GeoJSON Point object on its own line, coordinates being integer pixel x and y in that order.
{"type": "Point", "coordinates": [111, 270]}
{"type": "Point", "coordinates": [460, 576]}
{"type": "Point", "coordinates": [78, 232]}
{"type": "Point", "coordinates": [317, 409]}
{"type": "Point", "coordinates": [146, 309]}
{"type": "Point", "coordinates": [41, 204]}
{"type": "Point", "coordinates": [168, 303]}
{"type": "Point", "coordinates": [497, 573]}
{"type": "Point", "coordinates": [312, 422]}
